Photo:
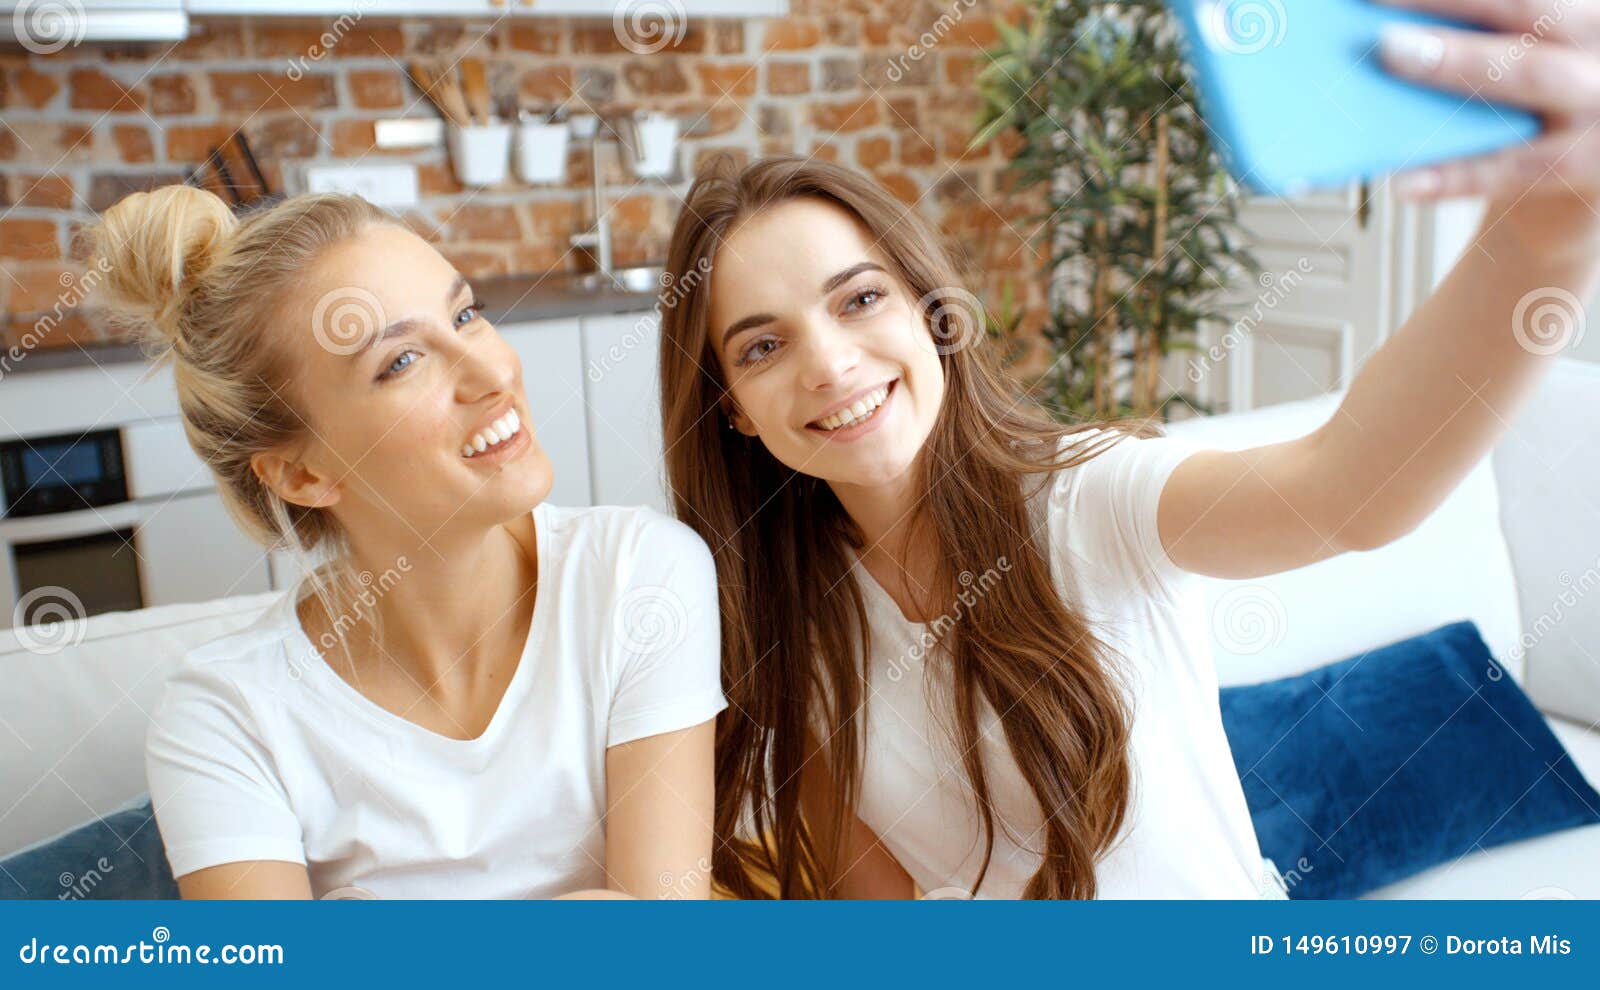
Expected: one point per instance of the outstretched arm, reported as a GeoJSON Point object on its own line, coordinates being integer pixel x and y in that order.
{"type": "Point", "coordinates": [1431, 402]}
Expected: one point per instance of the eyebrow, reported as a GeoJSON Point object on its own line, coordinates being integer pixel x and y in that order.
{"type": "Point", "coordinates": [757, 319]}
{"type": "Point", "coordinates": [410, 324]}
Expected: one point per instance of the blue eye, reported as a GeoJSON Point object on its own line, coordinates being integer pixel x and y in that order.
{"type": "Point", "coordinates": [399, 364]}
{"type": "Point", "coordinates": [471, 313]}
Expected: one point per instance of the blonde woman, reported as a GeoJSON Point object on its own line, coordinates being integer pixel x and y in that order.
{"type": "Point", "coordinates": [964, 645]}
{"type": "Point", "coordinates": [486, 719]}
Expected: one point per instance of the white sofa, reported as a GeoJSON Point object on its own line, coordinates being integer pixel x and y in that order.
{"type": "Point", "coordinates": [72, 723]}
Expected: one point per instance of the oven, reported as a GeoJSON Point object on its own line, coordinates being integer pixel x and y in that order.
{"type": "Point", "coordinates": [112, 520]}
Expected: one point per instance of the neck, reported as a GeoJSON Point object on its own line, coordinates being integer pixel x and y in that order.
{"type": "Point", "coordinates": [900, 551]}
{"type": "Point", "coordinates": [453, 604]}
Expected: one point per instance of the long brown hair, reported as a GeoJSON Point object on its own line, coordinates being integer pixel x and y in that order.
{"type": "Point", "coordinates": [795, 636]}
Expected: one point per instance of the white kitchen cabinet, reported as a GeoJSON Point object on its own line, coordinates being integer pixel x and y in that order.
{"type": "Point", "coordinates": [552, 377]}
{"type": "Point", "coordinates": [620, 353]}
{"type": "Point", "coordinates": [190, 550]}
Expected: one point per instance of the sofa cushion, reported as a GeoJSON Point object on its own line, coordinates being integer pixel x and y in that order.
{"type": "Point", "coordinates": [1548, 467]}
{"type": "Point", "coordinates": [1372, 769]}
{"type": "Point", "coordinates": [73, 713]}
{"type": "Point", "coordinates": [1453, 566]}
{"type": "Point", "coordinates": [117, 857]}
{"type": "Point", "coordinates": [1562, 865]}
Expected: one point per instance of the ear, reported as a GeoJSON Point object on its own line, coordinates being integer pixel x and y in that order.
{"type": "Point", "coordinates": [736, 416]}
{"type": "Point", "coordinates": [292, 480]}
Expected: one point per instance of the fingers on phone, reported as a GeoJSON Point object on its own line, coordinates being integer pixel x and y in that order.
{"type": "Point", "coordinates": [1551, 78]}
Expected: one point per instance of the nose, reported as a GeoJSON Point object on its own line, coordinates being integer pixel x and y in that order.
{"type": "Point", "coordinates": [485, 368]}
{"type": "Point", "coordinates": [828, 355]}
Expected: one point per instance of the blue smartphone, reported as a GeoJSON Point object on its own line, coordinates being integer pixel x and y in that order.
{"type": "Point", "coordinates": [1297, 99]}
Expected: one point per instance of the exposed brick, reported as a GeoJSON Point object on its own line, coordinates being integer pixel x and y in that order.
{"type": "Point", "coordinates": [729, 79]}
{"type": "Point", "coordinates": [253, 91]}
{"type": "Point", "coordinates": [474, 262]}
{"type": "Point", "coordinates": [842, 73]}
{"type": "Point", "coordinates": [29, 240]}
{"type": "Point", "coordinates": [705, 156]}
{"type": "Point", "coordinates": [553, 218]}
{"type": "Point", "coordinates": [286, 136]}
{"type": "Point", "coordinates": [652, 77]}
{"type": "Point", "coordinates": [39, 286]}
{"type": "Point", "coordinates": [106, 188]}
{"type": "Point", "coordinates": [212, 38]}
{"type": "Point", "coordinates": [188, 144]}
{"type": "Point", "coordinates": [313, 42]}
{"type": "Point", "coordinates": [133, 143]}
{"type": "Point", "coordinates": [376, 89]}
{"type": "Point", "coordinates": [173, 94]}
{"type": "Point", "coordinates": [30, 331]}
{"type": "Point", "coordinates": [729, 36]}
{"type": "Point", "coordinates": [851, 115]}
{"type": "Point", "coordinates": [94, 90]}
{"type": "Point", "coordinates": [50, 190]}
{"type": "Point", "coordinates": [436, 179]}
{"type": "Point", "coordinates": [539, 36]}
{"type": "Point", "coordinates": [34, 88]}
{"type": "Point", "coordinates": [482, 222]}
{"type": "Point", "coordinates": [790, 34]}
{"type": "Point", "coordinates": [872, 152]}
{"type": "Point", "coordinates": [788, 78]}
{"type": "Point", "coordinates": [358, 138]}
{"type": "Point", "coordinates": [551, 83]}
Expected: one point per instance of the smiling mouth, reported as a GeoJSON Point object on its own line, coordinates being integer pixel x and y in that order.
{"type": "Point", "coordinates": [494, 436]}
{"type": "Point", "coordinates": [861, 411]}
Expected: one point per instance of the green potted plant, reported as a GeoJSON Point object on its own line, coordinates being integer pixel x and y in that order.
{"type": "Point", "coordinates": [1139, 216]}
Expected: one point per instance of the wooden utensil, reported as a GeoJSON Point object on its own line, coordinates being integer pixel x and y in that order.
{"type": "Point", "coordinates": [475, 81]}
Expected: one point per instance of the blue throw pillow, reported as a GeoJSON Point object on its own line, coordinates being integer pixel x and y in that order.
{"type": "Point", "coordinates": [119, 857]}
{"type": "Point", "coordinates": [1374, 768]}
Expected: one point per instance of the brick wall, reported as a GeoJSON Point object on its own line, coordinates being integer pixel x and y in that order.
{"type": "Point", "coordinates": [849, 80]}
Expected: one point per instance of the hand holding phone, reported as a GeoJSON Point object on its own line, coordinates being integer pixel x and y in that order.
{"type": "Point", "coordinates": [1321, 92]}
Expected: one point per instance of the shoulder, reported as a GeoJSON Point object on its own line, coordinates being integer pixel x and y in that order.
{"type": "Point", "coordinates": [626, 540]}
{"type": "Point", "coordinates": [1102, 507]}
{"type": "Point", "coordinates": [232, 677]}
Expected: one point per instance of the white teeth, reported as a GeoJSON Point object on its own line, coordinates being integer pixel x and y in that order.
{"type": "Point", "coordinates": [862, 408]}
{"type": "Point", "coordinates": [495, 433]}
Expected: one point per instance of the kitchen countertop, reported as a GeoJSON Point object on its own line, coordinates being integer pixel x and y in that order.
{"type": "Point", "coordinates": [507, 299]}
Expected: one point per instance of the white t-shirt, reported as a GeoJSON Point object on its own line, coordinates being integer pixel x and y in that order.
{"type": "Point", "coordinates": [1188, 832]}
{"type": "Point", "coordinates": [259, 750]}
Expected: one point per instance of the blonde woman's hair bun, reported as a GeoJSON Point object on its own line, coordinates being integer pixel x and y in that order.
{"type": "Point", "coordinates": [153, 247]}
